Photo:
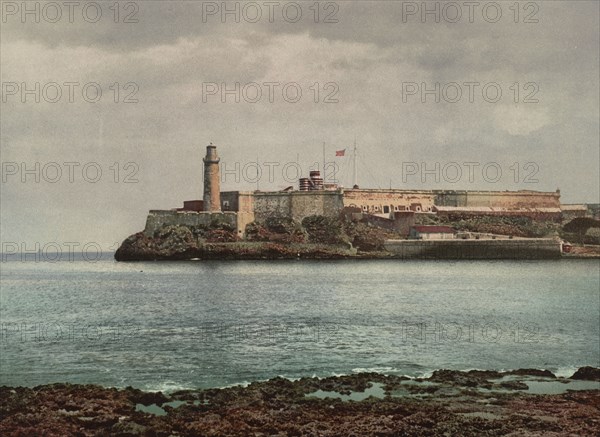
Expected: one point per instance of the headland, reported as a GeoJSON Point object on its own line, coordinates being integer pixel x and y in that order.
{"type": "Point", "coordinates": [321, 220]}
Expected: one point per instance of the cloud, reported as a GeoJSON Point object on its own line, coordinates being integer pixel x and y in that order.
{"type": "Point", "coordinates": [520, 120]}
{"type": "Point", "coordinates": [360, 62]}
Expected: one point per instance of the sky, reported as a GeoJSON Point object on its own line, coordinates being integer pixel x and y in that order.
{"type": "Point", "coordinates": [107, 110]}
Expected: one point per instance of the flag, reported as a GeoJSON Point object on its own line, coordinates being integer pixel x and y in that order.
{"type": "Point", "coordinates": [340, 152]}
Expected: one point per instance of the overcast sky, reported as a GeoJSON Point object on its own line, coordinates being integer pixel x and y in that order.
{"type": "Point", "coordinates": [361, 69]}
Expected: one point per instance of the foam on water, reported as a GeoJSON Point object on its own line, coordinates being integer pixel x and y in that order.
{"type": "Point", "coordinates": [565, 372]}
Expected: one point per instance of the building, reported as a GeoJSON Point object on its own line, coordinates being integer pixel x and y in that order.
{"type": "Point", "coordinates": [570, 211]}
{"type": "Point", "coordinates": [386, 202]}
{"type": "Point", "coordinates": [388, 208]}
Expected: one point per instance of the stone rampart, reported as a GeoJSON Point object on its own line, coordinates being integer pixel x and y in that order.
{"type": "Point", "coordinates": [498, 199]}
{"type": "Point", "coordinates": [525, 248]}
{"type": "Point", "coordinates": [386, 201]}
{"type": "Point", "coordinates": [159, 218]}
{"type": "Point", "coordinates": [297, 204]}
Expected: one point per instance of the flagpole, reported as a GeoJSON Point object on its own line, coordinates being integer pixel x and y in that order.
{"type": "Point", "coordinates": [355, 168]}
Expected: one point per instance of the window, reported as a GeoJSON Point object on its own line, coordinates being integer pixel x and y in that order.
{"type": "Point", "coordinates": [386, 209]}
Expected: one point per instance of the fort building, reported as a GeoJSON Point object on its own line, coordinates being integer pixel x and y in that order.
{"type": "Point", "coordinates": [391, 208]}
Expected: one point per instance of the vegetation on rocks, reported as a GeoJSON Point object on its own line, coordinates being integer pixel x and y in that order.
{"type": "Point", "coordinates": [216, 232]}
{"type": "Point", "coordinates": [582, 230]}
{"type": "Point", "coordinates": [592, 236]}
{"type": "Point", "coordinates": [367, 238]}
{"type": "Point", "coordinates": [517, 226]}
{"type": "Point", "coordinates": [580, 225]}
{"type": "Point", "coordinates": [280, 229]}
{"type": "Point", "coordinates": [324, 230]}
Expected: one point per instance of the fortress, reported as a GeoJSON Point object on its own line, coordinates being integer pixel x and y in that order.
{"type": "Point", "coordinates": [390, 208]}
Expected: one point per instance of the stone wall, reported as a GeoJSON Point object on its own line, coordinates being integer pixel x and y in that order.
{"type": "Point", "coordinates": [326, 203]}
{"type": "Point", "coordinates": [498, 199]}
{"type": "Point", "coordinates": [386, 201]}
{"type": "Point", "coordinates": [569, 212]}
{"type": "Point", "coordinates": [297, 204]}
{"type": "Point", "coordinates": [159, 218]}
{"type": "Point", "coordinates": [526, 248]}
{"type": "Point", "coordinates": [272, 204]}
{"type": "Point", "coordinates": [243, 218]}
{"type": "Point", "coordinates": [242, 203]}
{"type": "Point", "coordinates": [237, 201]}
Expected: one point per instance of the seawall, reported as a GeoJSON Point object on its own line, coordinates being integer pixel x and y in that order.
{"type": "Point", "coordinates": [525, 248]}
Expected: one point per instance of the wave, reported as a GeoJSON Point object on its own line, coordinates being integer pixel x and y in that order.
{"type": "Point", "coordinates": [173, 386]}
{"type": "Point", "coordinates": [565, 372]}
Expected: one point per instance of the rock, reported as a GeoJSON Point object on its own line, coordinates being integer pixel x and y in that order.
{"type": "Point", "coordinates": [127, 428]}
{"type": "Point", "coordinates": [170, 242]}
{"type": "Point", "coordinates": [279, 407]}
{"type": "Point", "coordinates": [531, 372]}
{"type": "Point", "coordinates": [587, 373]}
{"type": "Point", "coordinates": [456, 377]}
{"type": "Point", "coordinates": [148, 398]}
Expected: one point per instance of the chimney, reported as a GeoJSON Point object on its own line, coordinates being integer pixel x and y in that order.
{"type": "Point", "coordinates": [212, 188]}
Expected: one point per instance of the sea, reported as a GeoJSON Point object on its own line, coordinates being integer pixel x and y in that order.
{"type": "Point", "coordinates": [166, 326]}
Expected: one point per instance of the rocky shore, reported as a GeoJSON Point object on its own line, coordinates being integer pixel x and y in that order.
{"type": "Point", "coordinates": [317, 237]}
{"type": "Point", "coordinates": [473, 403]}
{"type": "Point", "coordinates": [140, 248]}
{"type": "Point", "coordinates": [280, 238]}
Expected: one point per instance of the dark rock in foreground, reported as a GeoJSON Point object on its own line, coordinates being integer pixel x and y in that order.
{"type": "Point", "coordinates": [449, 403]}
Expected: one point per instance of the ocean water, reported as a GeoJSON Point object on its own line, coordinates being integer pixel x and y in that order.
{"type": "Point", "coordinates": [173, 325]}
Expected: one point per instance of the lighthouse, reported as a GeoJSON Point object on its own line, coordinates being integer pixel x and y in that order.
{"type": "Point", "coordinates": [212, 188]}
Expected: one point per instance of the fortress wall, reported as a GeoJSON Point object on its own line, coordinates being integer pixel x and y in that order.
{"type": "Point", "coordinates": [513, 200]}
{"type": "Point", "coordinates": [159, 218]}
{"type": "Point", "coordinates": [245, 211]}
{"type": "Point", "coordinates": [300, 204]}
{"type": "Point", "coordinates": [271, 204]}
{"type": "Point", "coordinates": [246, 202]}
{"type": "Point", "coordinates": [397, 200]}
{"type": "Point", "coordinates": [243, 218]}
{"type": "Point", "coordinates": [451, 198]}
{"type": "Point", "coordinates": [297, 204]}
{"type": "Point", "coordinates": [526, 248]}
{"type": "Point", "coordinates": [327, 203]}
{"type": "Point", "coordinates": [498, 199]}
{"type": "Point", "coordinates": [237, 201]}
{"type": "Point", "coordinates": [242, 207]}
{"type": "Point", "coordinates": [374, 200]}
{"type": "Point", "coordinates": [230, 201]}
